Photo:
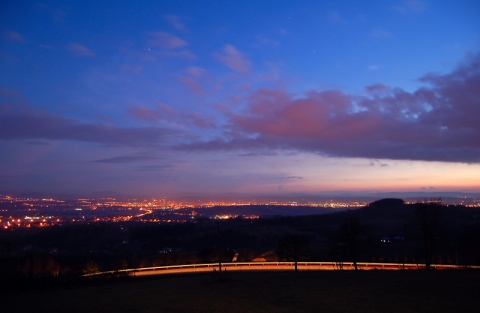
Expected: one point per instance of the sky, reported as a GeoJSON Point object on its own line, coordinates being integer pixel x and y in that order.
{"type": "Point", "coordinates": [176, 98]}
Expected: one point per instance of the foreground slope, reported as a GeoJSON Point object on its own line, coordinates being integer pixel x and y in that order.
{"type": "Point", "coordinates": [338, 291]}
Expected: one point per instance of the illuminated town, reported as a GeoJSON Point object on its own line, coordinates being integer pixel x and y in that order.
{"type": "Point", "coordinates": [18, 212]}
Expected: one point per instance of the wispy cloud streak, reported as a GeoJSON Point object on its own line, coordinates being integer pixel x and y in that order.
{"type": "Point", "coordinates": [234, 59]}
{"type": "Point", "coordinates": [40, 125]}
{"type": "Point", "coordinates": [80, 50]}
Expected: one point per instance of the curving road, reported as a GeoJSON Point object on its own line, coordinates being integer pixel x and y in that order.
{"type": "Point", "coordinates": [274, 266]}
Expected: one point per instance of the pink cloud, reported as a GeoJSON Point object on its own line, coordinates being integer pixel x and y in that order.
{"type": "Point", "coordinates": [192, 85]}
{"type": "Point", "coordinates": [195, 75]}
{"type": "Point", "coordinates": [166, 40]}
{"type": "Point", "coordinates": [234, 59]}
{"type": "Point", "coordinates": [198, 120]}
{"type": "Point", "coordinates": [80, 50]}
{"type": "Point", "coordinates": [144, 113]}
{"type": "Point", "coordinates": [196, 71]}
{"type": "Point", "coordinates": [175, 21]}
{"type": "Point", "coordinates": [171, 45]}
{"type": "Point", "coordinates": [438, 122]}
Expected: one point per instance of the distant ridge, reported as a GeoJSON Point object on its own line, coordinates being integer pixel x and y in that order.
{"type": "Point", "coordinates": [392, 209]}
{"type": "Point", "coordinates": [387, 202]}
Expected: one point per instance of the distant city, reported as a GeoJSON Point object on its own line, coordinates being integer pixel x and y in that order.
{"type": "Point", "coordinates": [26, 212]}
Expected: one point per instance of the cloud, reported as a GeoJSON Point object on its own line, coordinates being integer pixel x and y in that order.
{"type": "Point", "coordinates": [378, 163]}
{"type": "Point", "coordinates": [380, 33]}
{"type": "Point", "coordinates": [170, 45]}
{"type": "Point", "coordinates": [127, 159]}
{"type": "Point", "coordinates": [131, 69]}
{"type": "Point", "coordinates": [14, 36]}
{"type": "Point", "coordinates": [377, 89]}
{"type": "Point", "coordinates": [411, 6]}
{"type": "Point", "coordinates": [436, 122]}
{"type": "Point", "coordinates": [234, 59]}
{"type": "Point", "coordinates": [192, 85]}
{"type": "Point", "coordinates": [195, 71]}
{"type": "Point", "coordinates": [193, 79]}
{"type": "Point", "coordinates": [150, 168]}
{"type": "Point", "coordinates": [37, 125]}
{"type": "Point", "coordinates": [166, 40]}
{"type": "Point", "coordinates": [9, 93]}
{"type": "Point", "coordinates": [288, 178]}
{"type": "Point", "coordinates": [80, 50]}
{"type": "Point", "coordinates": [175, 22]}
{"type": "Point", "coordinates": [165, 113]}
{"type": "Point", "coordinates": [264, 41]}
{"type": "Point", "coordinates": [335, 17]}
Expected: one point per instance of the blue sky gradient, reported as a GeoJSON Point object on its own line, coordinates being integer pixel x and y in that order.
{"type": "Point", "coordinates": [168, 98]}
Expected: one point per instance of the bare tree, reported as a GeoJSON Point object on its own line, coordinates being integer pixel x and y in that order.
{"type": "Point", "coordinates": [428, 216]}
{"type": "Point", "coordinates": [90, 267]}
{"type": "Point", "coordinates": [294, 247]}
{"type": "Point", "coordinates": [349, 235]}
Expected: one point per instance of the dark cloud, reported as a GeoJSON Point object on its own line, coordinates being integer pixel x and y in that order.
{"type": "Point", "coordinates": [126, 159]}
{"type": "Point", "coordinates": [166, 113]}
{"type": "Point", "coordinates": [38, 143]}
{"type": "Point", "coordinates": [34, 125]}
{"type": "Point", "coordinates": [257, 154]}
{"type": "Point", "coordinates": [378, 163]}
{"type": "Point", "coordinates": [437, 122]}
{"type": "Point", "coordinates": [288, 178]}
{"type": "Point", "coordinates": [151, 168]}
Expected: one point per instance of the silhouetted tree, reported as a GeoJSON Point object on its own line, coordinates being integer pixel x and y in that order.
{"type": "Point", "coordinates": [428, 216]}
{"type": "Point", "coordinates": [294, 247]}
{"type": "Point", "coordinates": [223, 253]}
{"type": "Point", "coordinates": [349, 234]}
{"type": "Point", "coordinates": [39, 266]}
{"type": "Point", "coordinates": [90, 267]}
{"type": "Point", "coordinates": [219, 250]}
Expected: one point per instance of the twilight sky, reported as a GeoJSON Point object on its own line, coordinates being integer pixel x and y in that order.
{"type": "Point", "coordinates": [167, 98]}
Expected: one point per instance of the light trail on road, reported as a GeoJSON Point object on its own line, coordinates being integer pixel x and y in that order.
{"type": "Point", "coordinates": [275, 266]}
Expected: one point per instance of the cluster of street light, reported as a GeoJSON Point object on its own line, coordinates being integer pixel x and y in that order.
{"type": "Point", "coordinates": [18, 212]}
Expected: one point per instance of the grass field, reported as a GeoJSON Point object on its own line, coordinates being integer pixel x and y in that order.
{"type": "Point", "coordinates": [328, 291]}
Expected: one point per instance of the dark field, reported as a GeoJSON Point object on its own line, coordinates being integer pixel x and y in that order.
{"type": "Point", "coordinates": [336, 291]}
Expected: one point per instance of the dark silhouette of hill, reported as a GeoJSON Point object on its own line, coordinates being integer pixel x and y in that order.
{"type": "Point", "coordinates": [387, 215]}
{"type": "Point", "coordinates": [388, 202]}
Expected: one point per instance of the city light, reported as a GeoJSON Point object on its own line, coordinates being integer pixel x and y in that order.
{"type": "Point", "coordinates": [34, 212]}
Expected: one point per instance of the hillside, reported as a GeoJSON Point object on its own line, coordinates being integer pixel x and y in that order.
{"type": "Point", "coordinates": [388, 230]}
